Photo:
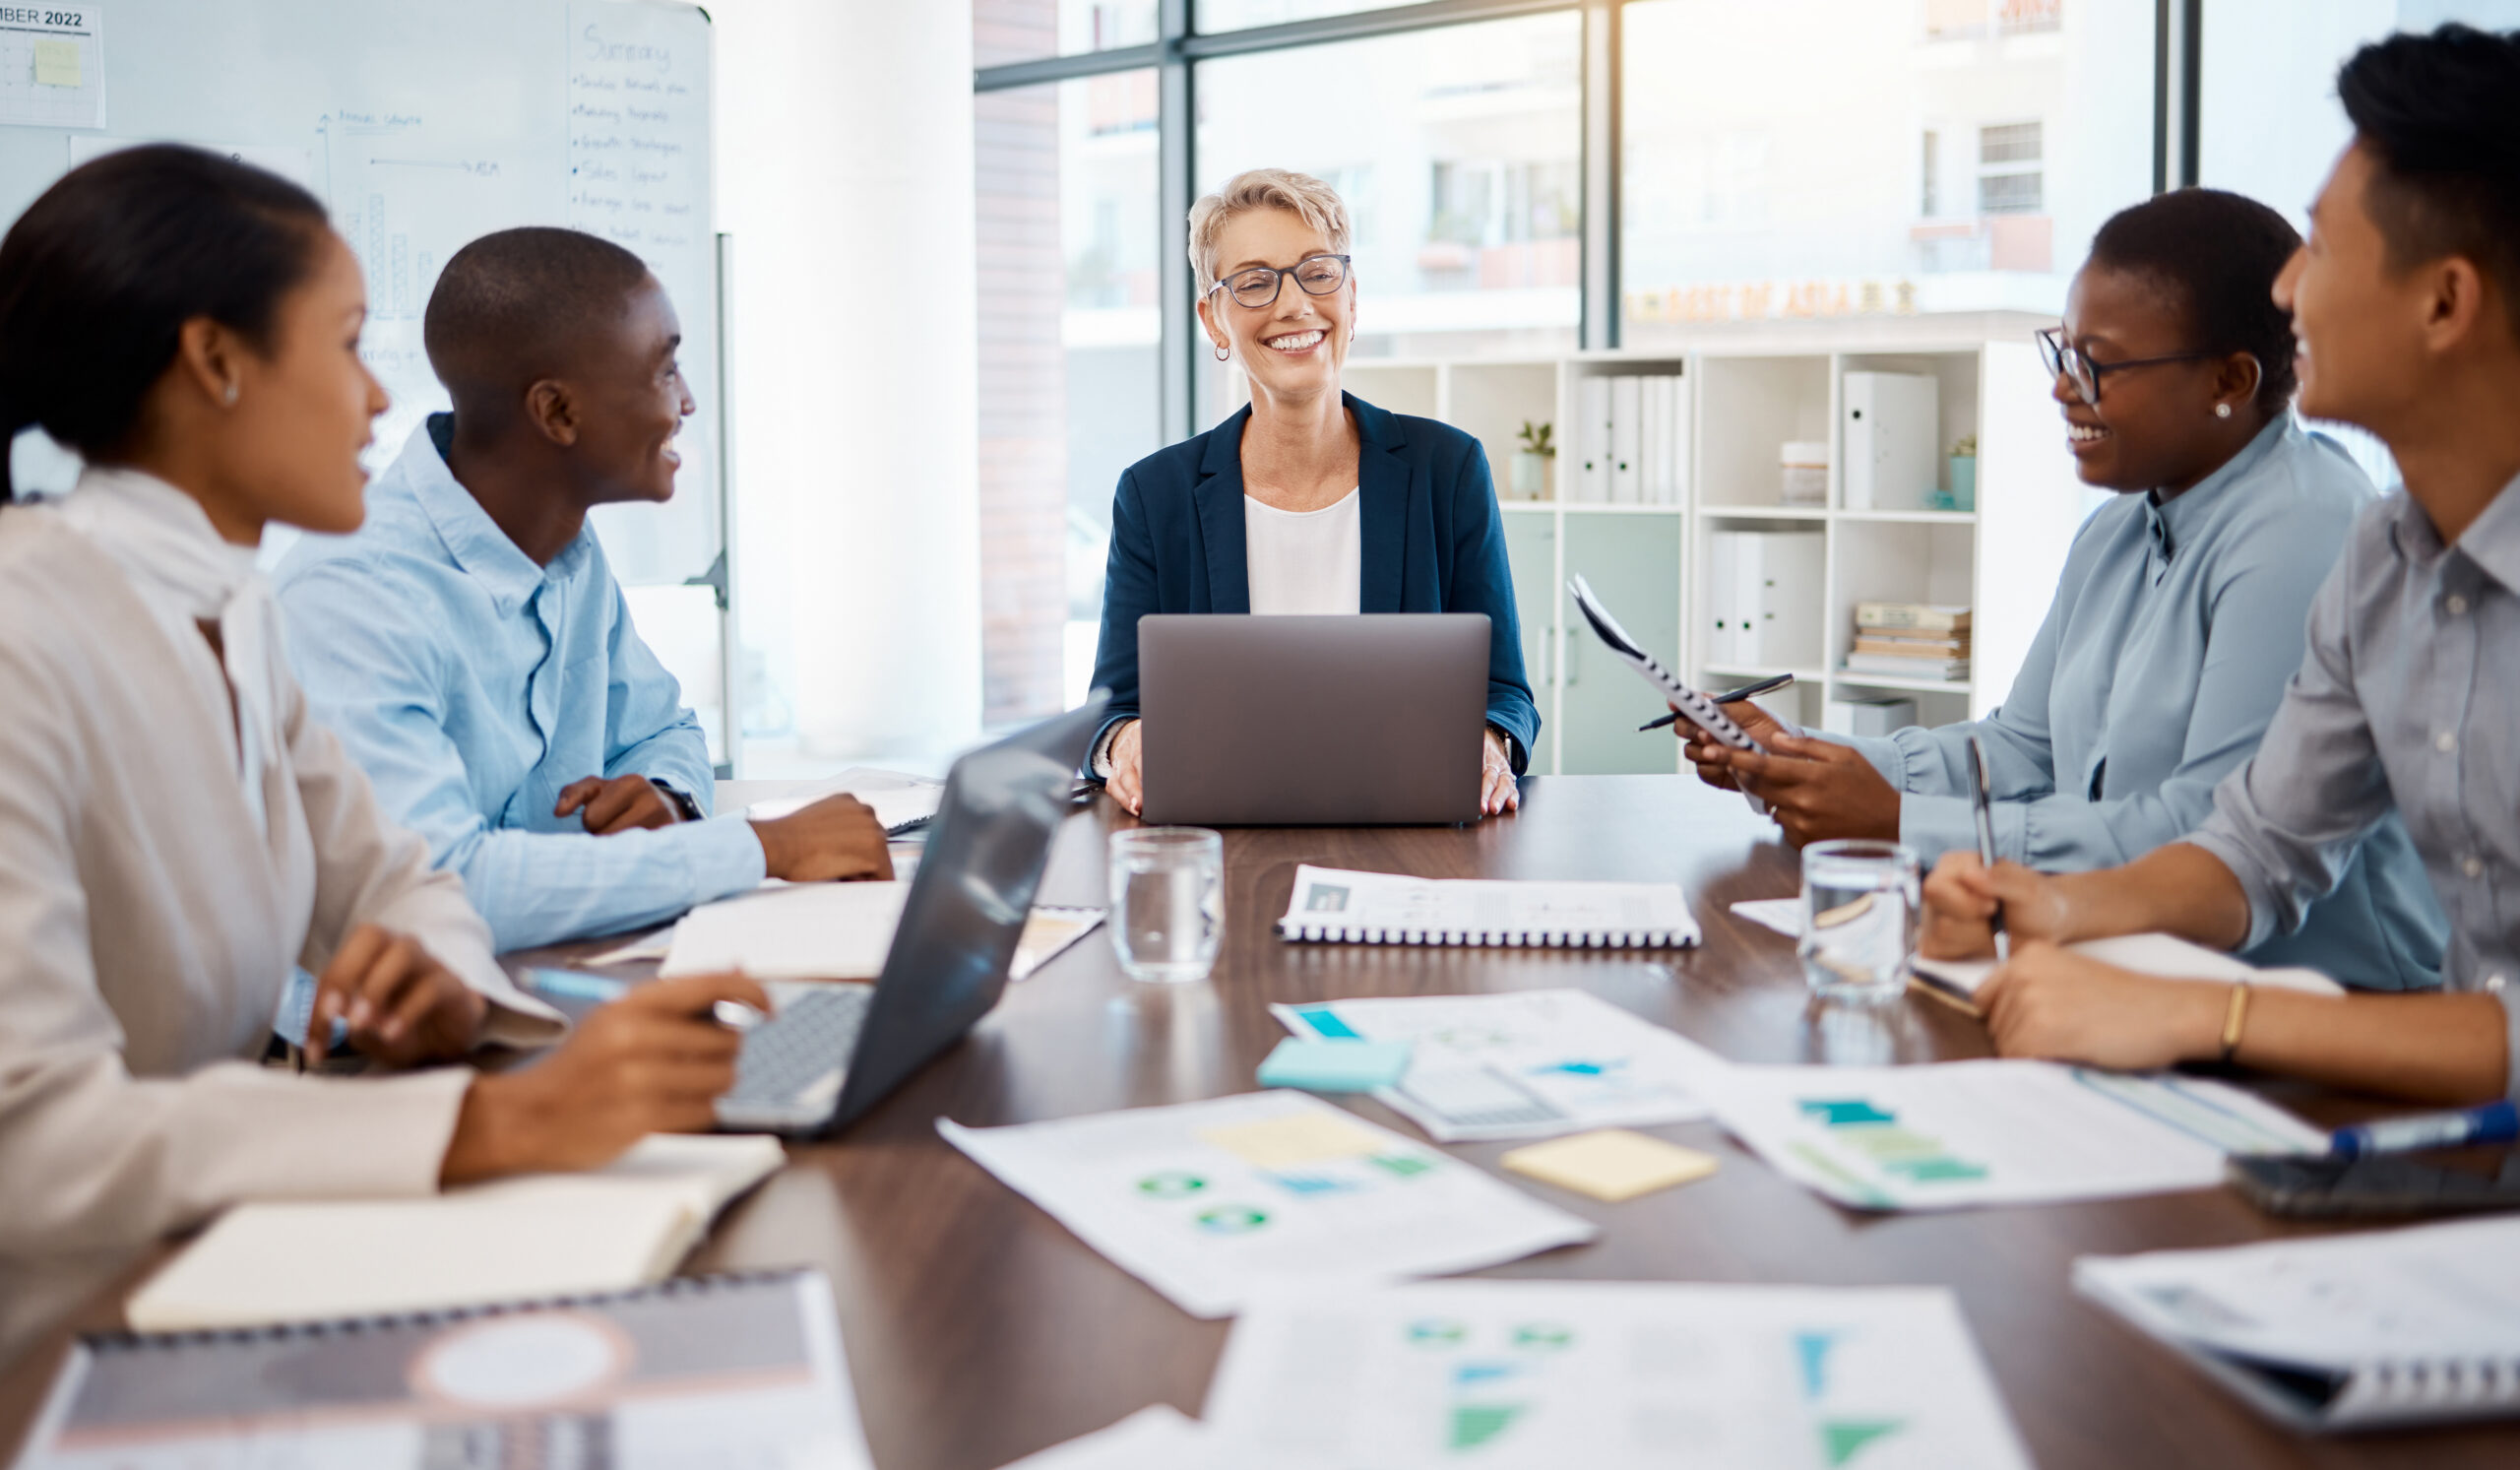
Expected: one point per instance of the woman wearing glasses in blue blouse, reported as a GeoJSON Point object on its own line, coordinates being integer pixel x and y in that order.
{"type": "Point", "coordinates": [1312, 500]}
{"type": "Point", "coordinates": [2181, 615]}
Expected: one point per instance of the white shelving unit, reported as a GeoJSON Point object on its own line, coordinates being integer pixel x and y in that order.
{"type": "Point", "coordinates": [1750, 392]}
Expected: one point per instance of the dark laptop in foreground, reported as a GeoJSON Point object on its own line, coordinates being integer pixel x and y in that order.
{"type": "Point", "coordinates": [835, 1050]}
{"type": "Point", "coordinates": [1291, 722]}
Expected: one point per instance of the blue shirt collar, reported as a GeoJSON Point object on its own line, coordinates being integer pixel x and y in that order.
{"type": "Point", "coordinates": [2178, 521]}
{"type": "Point", "coordinates": [471, 537]}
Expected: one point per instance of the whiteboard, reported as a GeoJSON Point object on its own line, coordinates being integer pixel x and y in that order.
{"type": "Point", "coordinates": [421, 127]}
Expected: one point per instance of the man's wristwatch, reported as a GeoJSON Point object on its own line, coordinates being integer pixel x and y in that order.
{"type": "Point", "coordinates": [685, 808]}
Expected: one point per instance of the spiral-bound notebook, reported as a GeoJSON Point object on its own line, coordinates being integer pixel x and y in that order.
{"type": "Point", "coordinates": [2399, 1327]}
{"type": "Point", "coordinates": [743, 1370]}
{"type": "Point", "coordinates": [1338, 906]}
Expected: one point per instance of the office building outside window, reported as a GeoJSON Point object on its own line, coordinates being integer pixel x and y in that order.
{"type": "Point", "coordinates": [1008, 30]}
{"type": "Point", "coordinates": [1877, 159]}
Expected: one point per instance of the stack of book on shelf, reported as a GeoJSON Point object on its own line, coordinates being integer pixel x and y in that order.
{"type": "Point", "coordinates": [1910, 639]}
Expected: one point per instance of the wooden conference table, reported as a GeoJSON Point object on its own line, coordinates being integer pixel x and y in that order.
{"type": "Point", "coordinates": [979, 1330]}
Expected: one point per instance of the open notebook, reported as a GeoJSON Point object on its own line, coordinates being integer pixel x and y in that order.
{"type": "Point", "coordinates": [539, 1236]}
{"type": "Point", "coordinates": [2345, 1331]}
{"type": "Point", "coordinates": [2164, 955]}
{"type": "Point", "coordinates": [1380, 908]}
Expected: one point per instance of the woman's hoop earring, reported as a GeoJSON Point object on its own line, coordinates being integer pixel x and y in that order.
{"type": "Point", "coordinates": [2222, 411]}
{"type": "Point", "coordinates": [1222, 353]}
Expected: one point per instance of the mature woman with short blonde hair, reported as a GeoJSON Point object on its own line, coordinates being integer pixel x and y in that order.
{"type": "Point", "coordinates": [1310, 500]}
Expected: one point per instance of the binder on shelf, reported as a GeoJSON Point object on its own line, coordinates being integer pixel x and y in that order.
{"type": "Point", "coordinates": [1893, 431]}
{"type": "Point", "coordinates": [1593, 477]}
{"type": "Point", "coordinates": [1764, 591]}
{"type": "Point", "coordinates": [1627, 425]}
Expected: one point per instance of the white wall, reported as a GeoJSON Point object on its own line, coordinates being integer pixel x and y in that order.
{"type": "Point", "coordinates": [845, 174]}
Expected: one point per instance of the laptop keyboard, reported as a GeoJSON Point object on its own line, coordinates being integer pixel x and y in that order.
{"type": "Point", "coordinates": [808, 1042]}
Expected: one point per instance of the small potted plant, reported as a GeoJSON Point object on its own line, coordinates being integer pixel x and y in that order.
{"type": "Point", "coordinates": [1530, 462]}
{"type": "Point", "coordinates": [1963, 494]}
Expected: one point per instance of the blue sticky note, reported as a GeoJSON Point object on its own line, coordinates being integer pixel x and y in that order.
{"type": "Point", "coordinates": [1334, 1065]}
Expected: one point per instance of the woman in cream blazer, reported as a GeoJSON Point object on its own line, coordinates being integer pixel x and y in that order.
{"type": "Point", "coordinates": [176, 836]}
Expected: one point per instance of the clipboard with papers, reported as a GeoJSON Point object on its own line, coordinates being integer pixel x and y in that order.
{"type": "Point", "coordinates": [1693, 706]}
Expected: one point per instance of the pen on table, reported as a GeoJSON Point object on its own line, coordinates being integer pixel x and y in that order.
{"type": "Point", "coordinates": [2495, 1122]}
{"type": "Point", "coordinates": [1981, 782]}
{"type": "Point", "coordinates": [1731, 696]}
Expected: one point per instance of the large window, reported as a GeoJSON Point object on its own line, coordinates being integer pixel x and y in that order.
{"type": "Point", "coordinates": [1846, 158]}
{"type": "Point", "coordinates": [1766, 161]}
{"type": "Point", "coordinates": [1069, 328]}
{"type": "Point", "coordinates": [2268, 123]}
{"type": "Point", "coordinates": [1460, 153]}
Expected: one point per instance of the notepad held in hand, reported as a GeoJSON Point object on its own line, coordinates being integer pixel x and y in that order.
{"type": "Point", "coordinates": [1374, 907]}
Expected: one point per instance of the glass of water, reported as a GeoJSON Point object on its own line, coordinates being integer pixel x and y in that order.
{"type": "Point", "coordinates": [1167, 902]}
{"type": "Point", "coordinates": [1860, 906]}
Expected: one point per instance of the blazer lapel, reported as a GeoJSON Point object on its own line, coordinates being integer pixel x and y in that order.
{"type": "Point", "coordinates": [1219, 495]}
{"type": "Point", "coordinates": [1382, 488]}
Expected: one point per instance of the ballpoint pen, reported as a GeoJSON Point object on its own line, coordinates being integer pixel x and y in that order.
{"type": "Point", "coordinates": [2495, 1122]}
{"type": "Point", "coordinates": [1980, 779]}
{"type": "Point", "coordinates": [1731, 696]}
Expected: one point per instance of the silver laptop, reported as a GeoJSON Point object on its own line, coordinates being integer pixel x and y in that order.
{"type": "Point", "coordinates": [833, 1051]}
{"type": "Point", "coordinates": [1347, 722]}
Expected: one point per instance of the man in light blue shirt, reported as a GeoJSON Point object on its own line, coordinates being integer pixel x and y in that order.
{"type": "Point", "coordinates": [2179, 615]}
{"type": "Point", "coordinates": [471, 646]}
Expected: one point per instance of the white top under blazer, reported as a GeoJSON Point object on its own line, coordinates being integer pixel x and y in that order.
{"type": "Point", "coordinates": [1308, 561]}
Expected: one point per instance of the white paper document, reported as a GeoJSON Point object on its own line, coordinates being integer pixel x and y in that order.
{"type": "Point", "coordinates": [1782, 915]}
{"type": "Point", "coordinates": [538, 1236]}
{"type": "Point", "coordinates": [2164, 955]}
{"type": "Point", "coordinates": [1522, 1064]}
{"type": "Point", "coordinates": [1158, 1438]}
{"type": "Point", "coordinates": [1606, 1376]}
{"type": "Point", "coordinates": [1996, 1132]}
{"type": "Point", "coordinates": [800, 931]}
{"type": "Point", "coordinates": [1212, 1202]}
{"type": "Point", "coordinates": [2383, 1326]}
{"type": "Point", "coordinates": [1380, 908]}
{"type": "Point", "coordinates": [901, 801]}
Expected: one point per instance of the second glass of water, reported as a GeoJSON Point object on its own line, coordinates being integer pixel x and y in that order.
{"type": "Point", "coordinates": [1860, 906]}
{"type": "Point", "coordinates": [1167, 902]}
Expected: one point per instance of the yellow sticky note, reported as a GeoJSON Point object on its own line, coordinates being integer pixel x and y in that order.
{"type": "Point", "coordinates": [1304, 1137]}
{"type": "Point", "coordinates": [56, 61]}
{"type": "Point", "coordinates": [1610, 1164]}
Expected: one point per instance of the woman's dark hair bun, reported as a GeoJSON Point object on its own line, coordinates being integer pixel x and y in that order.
{"type": "Point", "coordinates": [99, 275]}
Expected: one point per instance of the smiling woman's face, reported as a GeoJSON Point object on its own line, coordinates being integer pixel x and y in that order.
{"type": "Point", "coordinates": [1293, 348]}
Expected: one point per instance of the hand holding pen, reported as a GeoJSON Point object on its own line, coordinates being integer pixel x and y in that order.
{"type": "Point", "coordinates": [1729, 696]}
{"type": "Point", "coordinates": [1981, 783]}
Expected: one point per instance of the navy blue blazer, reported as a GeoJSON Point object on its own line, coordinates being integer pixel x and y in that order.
{"type": "Point", "coordinates": [1430, 535]}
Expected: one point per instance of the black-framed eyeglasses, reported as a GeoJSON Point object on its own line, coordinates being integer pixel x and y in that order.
{"type": "Point", "coordinates": [1318, 275]}
{"type": "Point", "coordinates": [2077, 367]}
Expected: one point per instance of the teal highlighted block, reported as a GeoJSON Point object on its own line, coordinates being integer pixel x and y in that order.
{"type": "Point", "coordinates": [1931, 1171]}
{"type": "Point", "coordinates": [1324, 1020]}
{"type": "Point", "coordinates": [1334, 1065]}
{"type": "Point", "coordinates": [1847, 1114]}
{"type": "Point", "coordinates": [1812, 1348]}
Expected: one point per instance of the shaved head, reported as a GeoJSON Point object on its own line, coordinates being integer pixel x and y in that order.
{"type": "Point", "coordinates": [522, 305]}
